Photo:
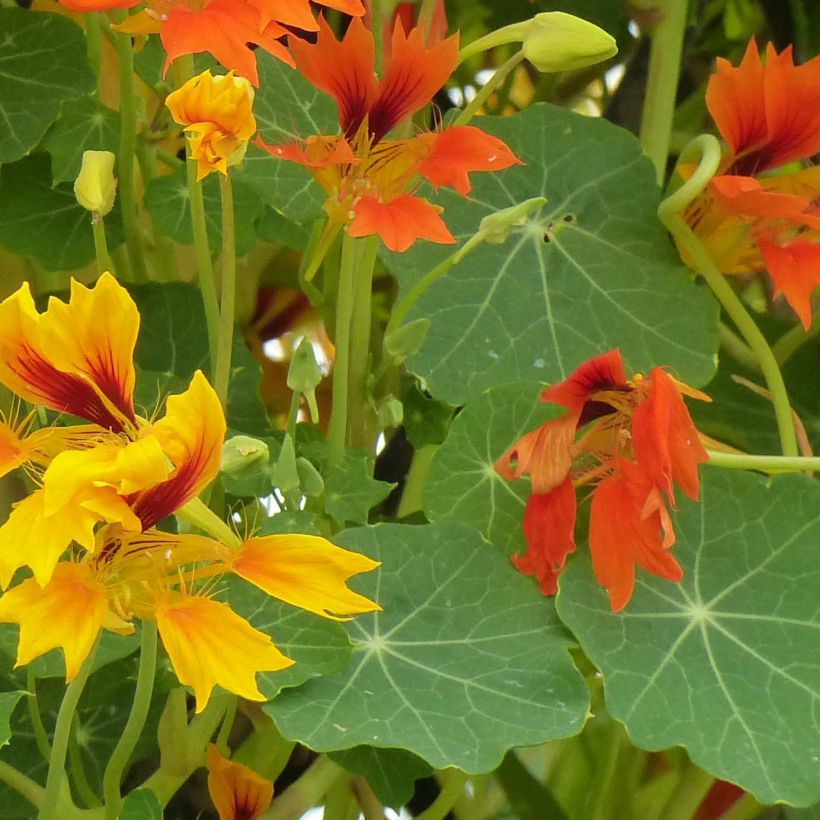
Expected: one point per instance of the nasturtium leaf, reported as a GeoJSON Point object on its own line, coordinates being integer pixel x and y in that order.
{"type": "Point", "coordinates": [318, 645]}
{"type": "Point", "coordinates": [287, 108]}
{"type": "Point", "coordinates": [141, 804]}
{"type": "Point", "coordinates": [350, 492]}
{"type": "Point", "coordinates": [8, 702]}
{"type": "Point", "coordinates": [463, 486]}
{"type": "Point", "coordinates": [173, 343]}
{"type": "Point", "coordinates": [166, 199]}
{"type": "Point", "coordinates": [274, 227]}
{"type": "Point", "coordinates": [83, 125]}
{"type": "Point", "coordinates": [466, 661]}
{"type": "Point", "coordinates": [426, 420]}
{"type": "Point", "coordinates": [592, 270]}
{"type": "Point", "coordinates": [44, 222]}
{"type": "Point", "coordinates": [44, 63]}
{"type": "Point", "coordinates": [727, 662]}
{"type": "Point", "coordinates": [391, 773]}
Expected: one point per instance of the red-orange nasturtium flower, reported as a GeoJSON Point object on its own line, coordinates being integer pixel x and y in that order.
{"type": "Point", "coordinates": [370, 180]}
{"type": "Point", "coordinates": [217, 114]}
{"type": "Point", "coordinates": [237, 792]}
{"type": "Point", "coordinates": [89, 533]}
{"type": "Point", "coordinates": [750, 218]}
{"type": "Point", "coordinates": [631, 440]}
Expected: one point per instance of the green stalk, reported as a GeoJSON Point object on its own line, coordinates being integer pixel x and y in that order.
{"type": "Point", "coordinates": [669, 213]}
{"type": "Point", "coordinates": [306, 792]}
{"type": "Point", "coordinates": [452, 782]}
{"type": "Point", "coordinates": [78, 773]}
{"type": "Point", "coordinates": [744, 809]}
{"type": "Point", "coordinates": [337, 426]}
{"type": "Point", "coordinates": [412, 496]}
{"type": "Point", "coordinates": [62, 732]}
{"type": "Point", "coordinates": [114, 771]}
{"type": "Point", "coordinates": [22, 784]}
{"type": "Point", "coordinates": [40, 734]}
{"type": "Point", "coordinates": [428, 8]}
{"type": "Point", "coordinates": [227, 724]}
{"type": "Point", "coordinates": [765, 464]}
{"type": "Point", "coordinates": [662, 83]}
{"type": "Point", "coordinates": [792, 340]}
{"type": "Point", "coordinates": [100, 244]}
{"type": "Point", "coordinates": [360, 414]}
{"type": "Point", "coordinates": [126, 170]}
{"type": "Point", "coordinates": [487, 89]}
{"type": "Point", "coordinates": [93, 43]}
{"type": "Point", "coordinates": [227, 305]}
{"type": "Point", "coordinates": [737, 348]}
{"type": "Point", "coordinates": [693, 787]}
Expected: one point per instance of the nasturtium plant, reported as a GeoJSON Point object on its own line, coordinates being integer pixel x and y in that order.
{"type": "Point", "coordinates": [409, 408]}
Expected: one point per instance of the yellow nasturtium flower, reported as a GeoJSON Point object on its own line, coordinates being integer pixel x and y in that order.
{"type": "Point", "coordinates": [216, 113]}
{"type": "Point", "coordinates": [89, 533]}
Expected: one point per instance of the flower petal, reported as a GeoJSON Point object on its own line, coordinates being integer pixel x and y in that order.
{"type": "Point", "coordinates": [399, 222]}
{"type": "Point", "coordinates": [67, 613]}
{"type": "Point", "coordinates": [665, 440]}
{"type": "Point", "coordinates": [795, 270]}
{"type": "Point", "coordinates": [604, 372]}
{"type": "Point", "coordinates": [191, 435]}
{"type": "Point", "coordinates": [456, 151]}
{"type": "Point", "coordinates": [305, 571]}
{"type": "Point", "coordinates": [549, 526]}
{"type": "Point", "coordinates": [210, 645]}
{"type": "Point", "coordinates": [237, 792]}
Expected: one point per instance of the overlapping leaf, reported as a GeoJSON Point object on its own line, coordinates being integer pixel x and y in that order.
{"type": "Point", "coordinates": [466, 661]}
{"type": "Point", "coordinates": [591, 271]}
{"type": "Point", "coordinates": [463, 486]}
{"type": "Point", "coordinates": [42, 64]}
{"type": "Point", "coordinates": [726, 663]}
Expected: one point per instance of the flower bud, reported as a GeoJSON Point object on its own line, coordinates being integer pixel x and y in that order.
{"type": "Point", "coordinates": [304, 375]}
{"type": "Point", "coordinates": [95, 185]}
{"type": "Point", "coordinates": [243, 456]}
{"type": "Point", "coordinates": [497, 227]}
{"type": "Point", "coordinates": [552, 41]}
{"type": "Point", "coordinates": [406, 340]}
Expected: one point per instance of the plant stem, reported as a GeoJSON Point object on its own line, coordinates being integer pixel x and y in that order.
{"type": "Point", "coordinates": [669, 213]}
{"type": "Point", "coordinates": [359, 410]}
{"type": "Point", "coordinates": [765, 464]}
{"type": "Point", "coordinates": [306, 792]}
{"type": "Point", "coordinates": [112, 777]}
{"type": "Point", "coordinates": [452, 783]}
{"type": "Point", "coordinates": [487, 89]}
{"type": "Point", "coordinates": [62, 732]}
{"type": "Point", "coordinates": [126, 171]}
{"type": "Point", "coordinates": [40, 734]}
{"type": "Point", "coordinates": [78, 773]}
{"type": "Point", "coordinates": [426, 12]}
{"type": "Point", "coordinates": [792, 340]}
{"type": "Point", "coordinates": [662, 83]}
{"type": "Point", "coordinates": [227, 724]}
{"type": "Point", "coordinates": [694, 785]}
{"type": "Point", "coordinates": [196, 512]}
{"type": "Point", "coordinates": [529, 798]}
{"type": "Point", "coordinates": [605, 779]}
{"type": "Point", "coordinates": [100, 245]}
{"type": "Point", "coordinates": [371, 806]}
{"type": "Point", "coordinates": [737, 348]}
{"type": "Point", "coordinates": [227, 306]}
{"type": "Point", "coordinates": [337, 426]}
{"type": "Point", "coordinates": [22, 784]}
{"type": "Point", "coordinates": [93, 43]}
{"type": "Point", "coordinates": [744, 809]}
{"type": "Point", "coordinates": [412, 496]}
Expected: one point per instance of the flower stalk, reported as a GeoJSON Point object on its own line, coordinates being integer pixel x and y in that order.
{"type": "Point", "coordinates": [227, 306]}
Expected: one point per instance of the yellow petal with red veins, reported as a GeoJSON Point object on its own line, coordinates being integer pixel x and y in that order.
{"type": "Point", "coordinates": [67, 613]}
{"type": "Point", "coordinates": [237, 792]}
{"type": "Point", "coordinates": [210, 645]}
{"type": "Point", "coordinates": [305, 571]}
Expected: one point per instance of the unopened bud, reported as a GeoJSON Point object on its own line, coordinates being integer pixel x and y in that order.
{"type": "Point", "coordinates": [95, 185]}
{"type": "Point", "coordinates": [304, 375]}
{"type": "Point", "coordinates": [497, 227]}
{"type": "Point", "coordinates": [406, 340]}
{"type": "Point", "coordinates": [285, 474]}
{"type": "Point", "coordinates": [310, 479]}
{"type": "Point", "coordinates": [390, 413]}
{"type": "Point", "coordinates": [243, 456]}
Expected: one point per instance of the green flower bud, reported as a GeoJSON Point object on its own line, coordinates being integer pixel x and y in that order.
{"type": "Point", "coordinates": [390, 413]}
{"type": "Point", "coordinates": [285, 473]}
{"type": "Point", "coordinates": [304, 375]}
{"type": "Point", "coordinates": [242, 456]}
{"type": "Point", "coordinates": [497, 227]}
{"type": "Point", "coordinates": [406, 340]}
{"type": "Point", "coordinates": [95, 186]}
{"type": "Point", "coordinates": [310, 478]}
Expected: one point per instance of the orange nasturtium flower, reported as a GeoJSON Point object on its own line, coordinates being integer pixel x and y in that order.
{"type": "Point", "coordinates": [750, 218]}
{"type": "Point", "coordinates": [89, 532]}
{"type": "Point", "coordinates": [370, 179]}
{"type": "Point", "coordinates": [217, 114]}
{"type": "Point", "coordinates": [237, 792]}
{"type": "Point", "coordinates": [631, 440]}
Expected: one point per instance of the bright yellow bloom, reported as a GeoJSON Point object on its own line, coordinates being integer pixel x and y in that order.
{"type": "Point", "coordinates": [217, 115]}
{"type": "Point", "coordinates": [237, 792]}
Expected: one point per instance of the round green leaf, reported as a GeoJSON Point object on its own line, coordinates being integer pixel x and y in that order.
{"type": "Point", "coordinates": [466, 661]}
{"type": "Point", "coordinates": [592, 270]}
{"type": "Point", "coordinates": [463, 486]}
{"type": "Point", "coordinates": [727, 662]}
{"type": "Point", "coordinates": [42, 63]}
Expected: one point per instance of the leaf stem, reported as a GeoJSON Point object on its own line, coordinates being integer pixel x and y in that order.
{"type": "Point", "coordinates": [22, 784]}
{"type": "Point", "coordinates": [93, 43]}
{"type": "Point", "coordinates": [662, 83]}
{"type": "Point", "coordinates": [126, 168]}
{"type": "Point", "coordinates": [669, 213]}
{"type": "Point", "coordinates": [487, 89]}
{"type": "Point", "coordinates": [694, 785]}
{"type": "Point", "coordinates": [452, 783]}
{"type": "Point", "coordinates": [77, 769]}
{"type": "Point", "coordinates": [306, 792]}
{"type": "Point", "coordinates": [100, 244]}
{"type": "Point", "coordinates": [40, 734]}
{"type": "Point", "coordinates": [765, 464]}
{"type": "Point", "coordinates": [737, 348]}
{"type": "Point", "coordinates": [227, 305]}
{"type": "Point", "coordinates": [62, 732]}
{"type": "Point", "coordinates": [112, 777]}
